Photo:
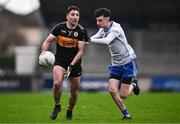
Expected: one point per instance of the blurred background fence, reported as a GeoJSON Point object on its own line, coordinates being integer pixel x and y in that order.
{"type": "Point", "coordinates": [152, 28]}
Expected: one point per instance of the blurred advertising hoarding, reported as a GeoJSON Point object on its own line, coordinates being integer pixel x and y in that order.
{"type": "Point", "coordinates": [15, 83]}
{"type": "Point", "coordinates": [165, 83]}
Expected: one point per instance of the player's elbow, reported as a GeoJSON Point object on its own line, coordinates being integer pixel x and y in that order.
{"type": "Point", "coordinates": [81, 53]}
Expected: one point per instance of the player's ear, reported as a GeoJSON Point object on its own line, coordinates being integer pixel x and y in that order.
{"type": "Point", "coordinates": [108, 18]}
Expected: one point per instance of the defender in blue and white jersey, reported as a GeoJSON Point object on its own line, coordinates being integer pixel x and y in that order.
{"type": "Point", "coordinates": [123, 67]}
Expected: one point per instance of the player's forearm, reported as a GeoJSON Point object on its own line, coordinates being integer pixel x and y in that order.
{"type": "Point", "coordinates": [80, 53]}
{"type": "Point", "coordinates": [107, 40]}
{"type": "Point", "coordinates": [77, 57]}
{"type": "Point", "coordinates": [45, 46]}
{"type": "Point", "coordinates": [101, 41]}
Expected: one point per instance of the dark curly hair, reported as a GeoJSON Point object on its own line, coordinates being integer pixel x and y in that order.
{"type": "Point", "coordinates": [102, 12]}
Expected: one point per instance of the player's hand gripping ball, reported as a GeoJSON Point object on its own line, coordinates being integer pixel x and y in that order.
{"type": "Point", "coordinates": [46, 59]}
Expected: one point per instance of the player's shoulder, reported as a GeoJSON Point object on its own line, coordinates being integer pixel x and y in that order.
{"type": "Point", "coordinates": [116, 26]}
{"type": "Point", "coordinates": [80, 27]}
{"type": "Point", "coordinates": [60, 24]}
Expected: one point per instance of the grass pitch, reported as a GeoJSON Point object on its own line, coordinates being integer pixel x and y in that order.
{"type": "Point", "coordinates": [92, 107]}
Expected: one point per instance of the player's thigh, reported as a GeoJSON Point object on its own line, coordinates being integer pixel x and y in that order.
{"type": "Point", "coordinates": [113, 85]}
{"type": "Point", "coordinates": [131, 70]}
{"type": "Point", "coordinates": [74, 83]}
{"type": "Point", "coordinates": [58, 74]}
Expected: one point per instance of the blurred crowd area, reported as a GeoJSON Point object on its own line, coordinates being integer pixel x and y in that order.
{"type": "Point", "coordinates": [152, 28]}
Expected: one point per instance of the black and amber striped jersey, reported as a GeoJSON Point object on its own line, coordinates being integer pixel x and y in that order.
{"type": "Point", "coordinates": [67, 41]}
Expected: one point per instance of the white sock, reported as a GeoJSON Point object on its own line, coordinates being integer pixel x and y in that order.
{"type": "Point", "coordinates": [134, 84]}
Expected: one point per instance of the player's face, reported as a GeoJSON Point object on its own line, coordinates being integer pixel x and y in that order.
{"type": "Point", "coordinates": [73, 17]}
{"type": "Point", "coordinates": [102, 22]}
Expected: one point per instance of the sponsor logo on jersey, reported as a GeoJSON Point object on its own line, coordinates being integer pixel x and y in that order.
{"type": "Point", "coordinates": [67, 42]}
{"type": "Point", "coordinates": [63, 31]}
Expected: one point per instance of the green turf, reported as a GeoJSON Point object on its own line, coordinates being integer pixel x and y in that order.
{"type": "Point", "coordinates": [91, 108]}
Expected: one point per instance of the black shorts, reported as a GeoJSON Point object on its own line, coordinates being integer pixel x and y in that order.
{"type": "Point", "coordinates": [124, 80]}
{"type": "Point", "coordinates": [76, 70]}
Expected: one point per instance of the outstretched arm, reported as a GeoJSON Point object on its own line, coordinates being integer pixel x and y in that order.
{"type": "Point", "coordinates": [107, 40]}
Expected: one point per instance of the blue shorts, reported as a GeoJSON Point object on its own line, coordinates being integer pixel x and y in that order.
{"type": "Point", "coordinates": [128, 70]}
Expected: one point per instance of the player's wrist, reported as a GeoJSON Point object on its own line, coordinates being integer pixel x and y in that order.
{"type": "Point", "coordinates": [70, 67]}
{"type": "Point", "coordinates": [88, 41]}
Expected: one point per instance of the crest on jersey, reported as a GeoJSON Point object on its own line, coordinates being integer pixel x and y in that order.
{"type": "Point", "coordinates": [75, 34]}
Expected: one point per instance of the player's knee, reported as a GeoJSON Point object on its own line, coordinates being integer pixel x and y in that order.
{"type": "Point", "coordinates": [56, 84]}
{"type": "Point", "coordinates": [123, 95]}
{"type": "Point", "coordinates": [112, 90]}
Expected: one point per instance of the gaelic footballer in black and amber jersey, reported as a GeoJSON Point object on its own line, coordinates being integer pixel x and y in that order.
{"type": "Point", "coordinates": [67, 42]}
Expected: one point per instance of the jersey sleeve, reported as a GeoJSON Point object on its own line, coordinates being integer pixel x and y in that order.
{"type": "Point", "coordinates": [106, 40]}
{"type": "Point", "coordinates": [85, 36]}
{"type": "Point", "coordinates": [55, 30]}
{"type": "Point", "coordinates": [114, 32]}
